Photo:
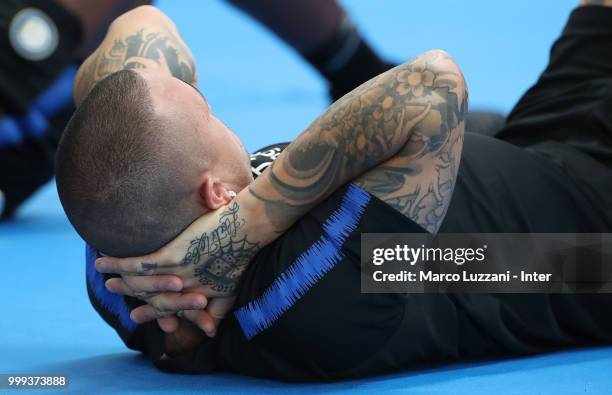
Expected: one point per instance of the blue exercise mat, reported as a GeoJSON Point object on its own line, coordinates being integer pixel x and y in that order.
{"type": "Point", "coordinates": [267, 94]}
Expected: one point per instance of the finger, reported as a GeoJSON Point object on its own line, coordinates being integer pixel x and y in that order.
{"type": "Point", "coordinates": [121, 265]}
{"type": "Point", "coordinates": [146, 313]}
{"type": "Point", "coordinates": [167, 303]}
{"type": "Point", "coordinates": [145, 265]}
{"type": "Point", "coordinates": [203, 320]}
{"type": "Point", "coordinates": [168, 324]}
{"type": "Point", "coordinates": [158, 283]}
{"type": "Point", "coordinates": [143, 287]}
{"type": "Point", "coordinates": [175, 302]}
{"type": "Point", "coordinates": [118, 286]}
{"type": "Point", "coordinates": [218, 308]}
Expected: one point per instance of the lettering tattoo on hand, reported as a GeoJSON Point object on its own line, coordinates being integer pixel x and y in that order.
{"type": "Point", "coordinates": [219, 257]}
{"type": "Point", "coordinates": [148, 266]}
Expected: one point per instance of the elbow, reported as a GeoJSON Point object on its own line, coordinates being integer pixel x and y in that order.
{"type": "Point", "coordinates": [448, 74]}
{"type": "Point", "coordinates": [141, 16]}
{"type": "Point", "coordinates": [444, 64]}
{"type": "Point", "coordinates": [450, 82]}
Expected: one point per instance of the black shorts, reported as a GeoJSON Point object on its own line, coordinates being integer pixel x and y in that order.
{"type": "Point", "coordinates": [35, 99]}
{"type": "Point", "coordinates": [550, 168]}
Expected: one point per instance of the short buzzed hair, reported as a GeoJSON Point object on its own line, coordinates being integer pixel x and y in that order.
{"type": "Point", "coordinates": [121, 177]}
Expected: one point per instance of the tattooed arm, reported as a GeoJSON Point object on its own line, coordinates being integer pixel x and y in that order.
{"type": "Point", "coordinates": [141, 38]}
{"type": "Point", "coordinates": [413, 111]}
{"type": "Point", "coordinates": [419, 180]}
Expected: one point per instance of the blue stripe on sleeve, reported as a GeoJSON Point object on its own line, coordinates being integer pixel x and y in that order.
{"type": "Point", "coordinates": [113, 303]}
{"type": "Point", "coordinates": [307, 269]}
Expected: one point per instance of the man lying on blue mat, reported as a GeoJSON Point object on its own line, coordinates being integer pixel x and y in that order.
{"type": "Point", "coordinates": [270, 269]}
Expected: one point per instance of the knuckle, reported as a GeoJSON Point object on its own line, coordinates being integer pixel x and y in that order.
{"type": "Point", "coordinates": [162, 314]}
{"type": "Point", "coordinates": [163, 303]}
{"type": "Point", "coordinates": [155, 303]}
{"type": "Point", "coordinates": [143, 295]}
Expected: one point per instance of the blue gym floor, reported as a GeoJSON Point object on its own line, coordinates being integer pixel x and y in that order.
{"type": "Point", "coordinates": [267, 94]}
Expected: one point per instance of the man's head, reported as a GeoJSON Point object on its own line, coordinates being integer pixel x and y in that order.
{"type": "Point", "coordinates": [142, 158]}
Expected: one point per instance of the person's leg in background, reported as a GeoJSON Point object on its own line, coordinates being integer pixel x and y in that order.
{"type": "Point", "coordinates": [95, 17]}
{"type": "Point", "coordinates": [567, 114]}
{"type": "Point", "coordinates": [559, 180]}
{"type": "Point", "coordinates": [571, 101]}
{"type": "Point", "coordinates": [322, 32]}
{"type": "Point", "coordinates": [324, 35]}
{"type": "Point", "coordinates": [36, 84]}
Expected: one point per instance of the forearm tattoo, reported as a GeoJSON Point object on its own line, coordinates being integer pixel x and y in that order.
{"type": "Point", "coordinates": [140, 50]}
{"type": "Point", "coordinates": [218, 257]}
{"type": "Point", "coordinates": [419, 180]}
{"type": "Point", "coordinates": [413, 107]}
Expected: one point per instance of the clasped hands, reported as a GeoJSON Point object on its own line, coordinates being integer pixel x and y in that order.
{"type": "Point", "coordinates": [166, 279]}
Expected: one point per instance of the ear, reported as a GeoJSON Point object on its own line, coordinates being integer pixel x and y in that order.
{"type": "Point", "coordinates": [213, 193]}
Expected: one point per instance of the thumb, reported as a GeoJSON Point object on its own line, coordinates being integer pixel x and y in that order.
{"type": "Point", "coordinates": [218, 308]}
{"type": "Point", "coordinates": [168, 324]}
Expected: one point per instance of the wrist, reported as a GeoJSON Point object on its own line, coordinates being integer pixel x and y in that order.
{"type": "Point", "coordinates": [254, 218]}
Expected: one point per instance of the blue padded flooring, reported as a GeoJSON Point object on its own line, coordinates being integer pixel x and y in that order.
{"type": "Point", "coordinates": [264, 92]}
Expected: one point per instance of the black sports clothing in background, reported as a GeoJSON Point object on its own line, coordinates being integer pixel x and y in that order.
{"type": "Point", "coordinates": [550, 167]}
{"type": "Point", "coordinates": [35, 101]}
{"type": "Point", "coordinates": [571, 103]}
